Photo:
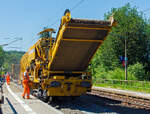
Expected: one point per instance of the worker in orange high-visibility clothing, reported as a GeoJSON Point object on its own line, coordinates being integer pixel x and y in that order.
{"type": "Point", "coordinates": [8, 78]}
{"type": "Point", "coordinates": [25, 83]}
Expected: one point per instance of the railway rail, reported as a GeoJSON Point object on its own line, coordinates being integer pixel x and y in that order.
{"type": "Point", "coordinates": [126, 99]}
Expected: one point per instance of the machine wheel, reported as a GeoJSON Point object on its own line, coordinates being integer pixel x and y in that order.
{"type": "Point", "coordinates": [50, 99]}
{"type": "Point", "coordinates": [39, 93]}
{"type": "Point", "coordinates": [45, 98]}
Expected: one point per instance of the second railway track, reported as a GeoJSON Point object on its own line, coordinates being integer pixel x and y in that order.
{"type": "Point", "coordinates": [127, 100]}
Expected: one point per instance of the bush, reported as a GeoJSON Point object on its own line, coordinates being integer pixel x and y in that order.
{"type": "Point", "coordinates": [138, 71]}
{"type": "Point", "coordinates": [117, 73]}
{"type": "Point", "coordinates": [100, 72]}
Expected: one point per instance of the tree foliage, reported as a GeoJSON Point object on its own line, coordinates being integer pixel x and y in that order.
{"type": "Point", "coordinates": [11, 57]}
{"type": "Point", "coordinates": [130, 25]}
{"type": "Point", "coordinates": [2, 55]}
{"type": "Point", "coordinates": [138, 71]}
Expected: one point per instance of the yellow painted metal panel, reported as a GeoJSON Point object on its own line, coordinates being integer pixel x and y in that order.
{"type": "Point", "coordinates": [79, 40]}
{"type": "Point", "coordinates": [59, 77]}
{"type": "Point", "coordinates": [87, 28]}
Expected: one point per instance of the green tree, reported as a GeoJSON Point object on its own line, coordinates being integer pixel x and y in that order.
{"type": "Point", "coordinates": [138, 71]}
{"type": "Point", "coordinates": [2, 55]}
{"type": "Point", "coordinates": [131, 25]}
{"type": "Point", "coordinates": [11, 57]}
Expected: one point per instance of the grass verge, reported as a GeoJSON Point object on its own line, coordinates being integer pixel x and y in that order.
{"type": "Point", "coordinates": [145, 89]}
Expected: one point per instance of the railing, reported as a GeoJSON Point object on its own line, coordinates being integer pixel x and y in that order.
{"type": "Point", "coordinates": [126, 84]}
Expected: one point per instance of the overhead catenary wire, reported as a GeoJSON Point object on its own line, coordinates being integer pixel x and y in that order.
{"type": "Point", "coordinates": [14, 47]}
{"type": "Point", "coordinates": [59, 12]}
{"type": "Point", "coordinates": [6, 38]}
{"type": "Point", "coordinates": [146, 10]}
{"type": "Point", "coordinates": [16, 39]}
{"type": "Point", "coordinates": [58, 19]}
{"type": "Point", "coordinates": [74, 7]}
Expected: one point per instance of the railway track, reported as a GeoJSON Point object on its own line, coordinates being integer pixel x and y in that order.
{"type": "Point", "coordinates": [126, 100]}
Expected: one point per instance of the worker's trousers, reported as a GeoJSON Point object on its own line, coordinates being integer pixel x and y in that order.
{"type": "Point", "coordinates": [8, 81]}
{"type": "Point", "coordinates": [26, 90]}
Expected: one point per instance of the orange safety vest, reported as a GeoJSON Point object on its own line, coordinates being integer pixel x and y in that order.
{"type": "Point", "coordinates": [25, 77]}
{"type": "Point", "coordinates": [8, 77]}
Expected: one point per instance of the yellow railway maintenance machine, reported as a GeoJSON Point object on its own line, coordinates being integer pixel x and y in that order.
{"type": "Point", "coordinates": [58, 66]}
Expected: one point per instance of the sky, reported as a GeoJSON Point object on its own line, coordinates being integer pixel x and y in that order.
{"type": "Point", "coordinates": [23, 19]}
